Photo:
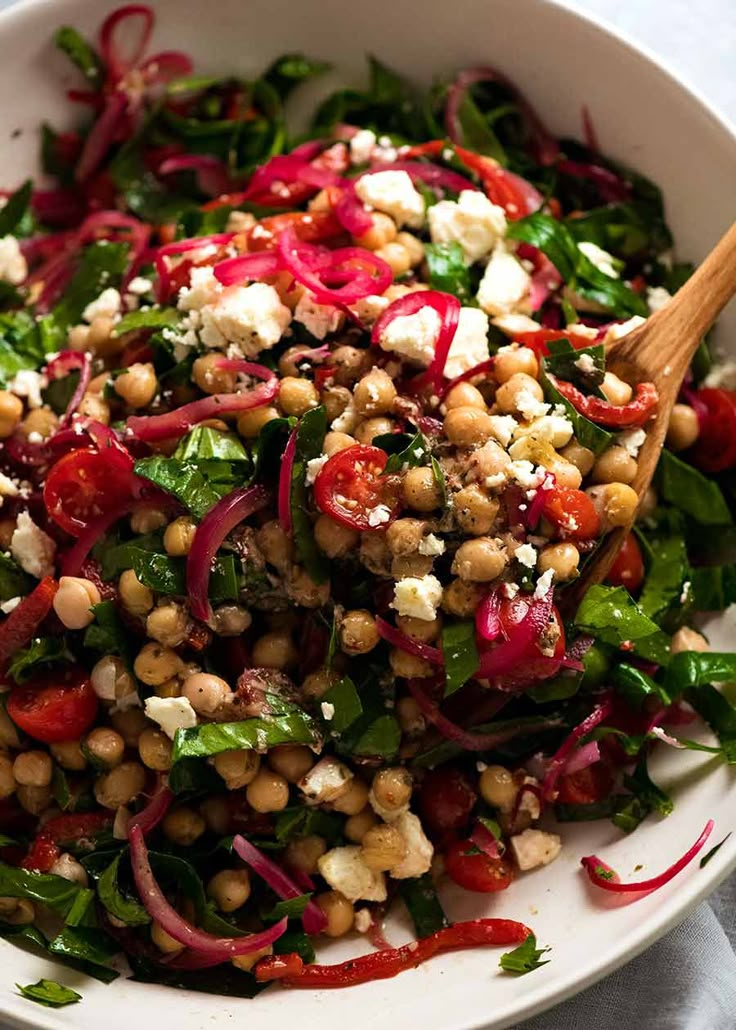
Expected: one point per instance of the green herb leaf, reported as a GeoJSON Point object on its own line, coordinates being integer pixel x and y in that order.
{"type": "Point", "coordinates": [87, 948]}
{"type": "Point", "coordinates": [42, 651]}
{"type": "Point", "coordinates": [14, 582]}
{"type": "Point", "coordinates": [476, 130]}
{"type": "Point", "coordinates": [81, 54]}
{"type": "Point", "coordinates": [310, 435]}
{"type": "Point", "coordinates": [128, 910]}
{"type": "Point", "coordinates": [168, 575]}
{"type": "Point", "coordinates": [690, 669]}
{"type": "Point", "coordinates": [587, 433]}
{"type": "Point", "coordinates": [713, 851]}
{"type": "Point", "coordinates": [206, 444]}
{"type": "Point", "coordinates": [415, 453]}
{"type": "Point", "coordinates": [107, 634]}
{"type": "Point", "coordinates": [15, 208]}
{"type": "Point", "coordinates": [712, 587]}
{"type": "Point", "coordinates": [524, 959]}
{"type": "Point", "coordinates": [45, 888]}
{"type": "Point", "coordinates": [346, 701]}
{"type": "Point", "coordinates": [712, 706]}
{"type": "Point", "coordinates": [115, 557]}
{"type": "Point", "coordinates": [102, 265]}
{"type": "Point", "coordinates": [22, 344]}
{"type": "Point", "coordinates": [666, 571]}
{"type": "Point", "coordinates": [647, 797]}
{"type": "Point", "coordinates": [380, 739]}
{"type": "Point", "coordinates": [299, 821]}
{"type": "Point", "coordinates": [292, 908]}
{"type": "Point", "coordinates": [690, 491]}
{"type": "Point", "coordinates": [461, 654]}
{"type": "Point", "coordinates": [636, 687]}
{"type": "Point", "coordinates": [563, 362]}
{"type": "Point", "coordinates": [183, 481]}
{"type": "Point", "coordinates": [49, 993]}
{"type": "Point", "coordinates": [423, 905]}
{"type": "Point", "coordinates": [147, 318]}
{"type": "Point", "coordinates": [292, 727]}
{"type": "Point", "coordinates": [448, 272]}
{"type": "Point", "coordinates": [287, 72]}
{"type": "Point", "coordinates": [613, 616]}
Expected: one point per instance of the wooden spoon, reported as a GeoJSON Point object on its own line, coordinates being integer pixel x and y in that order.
{"type": "Point", "coordinates": [660, 352]}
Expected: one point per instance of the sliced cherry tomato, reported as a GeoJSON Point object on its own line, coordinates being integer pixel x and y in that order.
{"type": "Point", "coordinates": [476, 871]}
{"type": "Point", "coordinates": [572, 513]}
{"type": "Point", "coordinates": [85, 484]}
{"type": "Point", "coordinates": [586, 786]}
{"type": "Point", "coordinates": [715, 449]}
{"type": "Point", "coordinates": [65, 829]}
{"type": "Point", "coordinates": [352, 489]}
{"type": "Point", "coordinates": [55, 707]}
{"type": "Point", "coordinates": [42, 853]}
{"type": "Point", "coordinates": [446, 800]}
{"type": "Point", "coordinates": [628, 568]}
{"type": "Point", "coordinates": [308, 226]}
{"type": "Point", "coordinates": [18, 628]}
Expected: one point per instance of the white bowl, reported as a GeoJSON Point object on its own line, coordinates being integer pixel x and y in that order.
{"type": "Point", "coordinates": [643, 116]}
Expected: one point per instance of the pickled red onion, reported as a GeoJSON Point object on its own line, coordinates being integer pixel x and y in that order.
{"type": "Point", "coordinates": [560, 758]}
{"type": "Point", "coordinates": [313, 918]}
{"type": "Point", "coordinates": [446, 306]}
{"type": "Point", "coordinates": [284, 494]}
{"type": "Point", "coordinates": [392, 635]}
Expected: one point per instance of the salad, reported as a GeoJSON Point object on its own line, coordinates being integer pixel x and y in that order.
{"type": "Point", "coordinates": [305, 443]}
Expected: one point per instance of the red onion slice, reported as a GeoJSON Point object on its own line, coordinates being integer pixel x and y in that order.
{"type": "Point", "coordinates": [159, 909]}
{"type": "Point", "coordinates": [111, 48]}
{"type": "Point", "coordinates": [102, 135]}
{"type": "Point", "coordinates": [65, 362]}
{"type": "Point", "coordinates": [236, 270]}
{"type": "Point", "coordinates": [487, 616]}
{"type": "Point", "coordinates": [534, 511]}
{"type": "Point", "coordinates": [603, 876]}
{"type": "Point", "coordinates": [584, 756]}
{"type": "Point", "coordinates": [612, 188]}
{"type": "Point", "coordinates": [313, 918]}
{"type": "Point", "coordinates": [403, 642]}
{"type": "Point", "coordinates": [485, 841]}
{"type": "Point", "coordinates": [219, 239]}
{"type": "Point", "coordinates": [149, 817]}
{"type": "Point", "coordinates": [356, 273]}
{"type": "Point", "coordinates": [471, 373]}
{"type": "Point", "coordinates": [560, 758]}
{"type": "Point", "coordinates": [211, 532]}
{"type": "Point", "coordinates": [503, 659]}
{"type": "Point", "coordinates": [432, 175]}
{"type": "Point", "coordinates": [211, 173]}
{"type": "Point", "coordinates": [284, 494]}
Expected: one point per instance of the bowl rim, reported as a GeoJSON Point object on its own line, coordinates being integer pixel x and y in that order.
{"type": "Point", "coordinates": [694, 891]}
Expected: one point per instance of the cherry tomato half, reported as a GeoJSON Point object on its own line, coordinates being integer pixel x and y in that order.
{"type": "Point", "coordinates": [446, 800]}
{"type": "Point", "coordinates": [55, 707]}
{"type": "Point", "coordinates": [85, 484]}
{"type": "Point", "coordinates": [628, 567]}
{"type": "Point", "coordinates": [586, 786]}
{"type": "Point", "coordinates": [67, 829]}
{"type": "Point", "coordinates": [715, 449]}
{"type": "Point", "coordinates": [572, 513]}
{"type": "Point", "coordinates": [476, 871]}
{"type": "Point", "coordinates": [42, 854]}
{"type": "Point", "coordinates": [352, 489]}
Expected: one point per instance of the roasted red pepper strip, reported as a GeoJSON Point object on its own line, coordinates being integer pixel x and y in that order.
{"type": "Point", "coordinates": [613, 416]}
{"type": "Point", "coordinates": [23, 621]}
{"type": "Point", "coordinates": [42, 854]}
{"type": "Point", "coordinates": [280, 967]}
{"type": "Point", "coordinates": [382, 965]}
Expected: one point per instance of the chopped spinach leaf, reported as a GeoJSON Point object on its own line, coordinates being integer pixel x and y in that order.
{"type": "Point", "coordinates": [524, 959]}
{"type": "Point", "coordinates": [713, 851]}
{"type": "Point", "coordinates": [689, 490]}
{"type": "Point", "coordinates": [15, 208]}
{"type": "Point", "coordinates": [666, 571]}
{"type": "Point", "coordinates": [304, 822]}
{"type": "Point", "coordinates": [41, 652]}
{"type": "Point", "coordinates": [292, 908]}
{"type": "Point", "coordinates": [14, 582]}
{"type": "Point", "coordinates": [87, 948]}
{"type": "Point", "coordinates": [102, 265]}
{"type": "Point", "coordinates": [345, 700]}
{"type": "Point", "coordinates": [563, 362]}
{"type": "Point", "coordinates": [448, 272]}
{"type": "Point", "coordinates": [49, 993]}
{"type": "Point", "coordinates": [292, 727]}
{"type": "Point", "coordinates": [587, 433]}
{"type": "Point", "coordinates": [107, 634]}
{"type": "Point", "coordinates": [460, 653]}
{"type": "Point", "coordinates": [206, 444]}
{"type": "Point", "coordinates": [168, 575]}
{"type": "Point", "coordinates": [690, 669]}
{"type": "Point", "coordinates": [646, 797]}
{"type": "Point", "coordinates": [182, 480]}
{"type": "Point", "coordinates": [126, 909]}
{"type": "Point", "coordinates": [613, 616]}
{"type": "Point", "coordinates": [44, 888]}
{"type": "Point", "coordinates": [310, 435]}
{"type": "Point", "coordinates": [81, 54]}
{"type": "Point", "coordinates": [287, 72]}
{"type": "Point", "coordinates": [423, 905]}
{"type": "Point", "coordinates": [147, 318]}
{"type": "Point", "coordinates": [636, 687]}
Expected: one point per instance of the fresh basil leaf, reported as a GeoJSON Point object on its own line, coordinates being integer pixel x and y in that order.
{"type": "Point", "coordinates": [380, 739]}
{"type": "Point", "coordinates": [690, 669]}
{"type": "Point", "coordinates": [49, 993]}
{"type": "Point", "coordinates": [563, 362]}
{"type": "Point", "coordinates": [126, 909]}
{"type": "Point", "coordinates": [81, 54]}
{"type": "Point", "coordinates": [115, 556]}
{"type": "Point", "coordinates": [636, 687]}
{"type": "Point", "coordinates": [168, 575]}
{"type": "Point", "coordinates": [666, 571]}
{"type": "Point", "coordinates": [690, 491]}
{"type": "Point", "coordinates": [292, 908]}
{"type": "Point", "coordinates": [346, 701]}
{"type": "Point", "coordinates": [310, 435]}
{"type": "Point", "coordinates": [14, 582]}
{"type": "Point", "coordinates": [183, 481]}
{"type": "Point", "coordinates": [293, 727]}
{"type": "Point", "coordinates": [461, 654]}
{"type": "Point", "coordinates": [15, 208]}
{"type": "Point", "coordinates": [646, 797]}
{"type": "Point", "coordinates": [206, 444]}
{"type": "Point", "coordinates": [423, 905]}
{"type": "Point", "coordinates": [448, 272]}
{"type": "Point", "coordinates": [54, 892]}
{"type": "Point", "coordinates": [288, 71]}
{"type": "Point", "coordinates": [713, 851]}
{"type": "Point", "coordinates": [614, 617]}
{"type": "Point", "coordinates": [102, 265]}
{"type": "Point", "coordinates": [147, 318]}
{"type": "Point", "coordinates": [299, 821]}
{"type": "Point", "coordinates": [524, 959]}
{"type": "Point", "coordinates": [587, 433]}
{"type": "Point", "coordinates": [88, 948]}
{"type": "Point", "coordinates": [41, 652]}
{"type": "Point", "coordinates": [417, 452]}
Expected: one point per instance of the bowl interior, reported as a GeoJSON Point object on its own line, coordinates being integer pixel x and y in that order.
{"type": "Point", "coordinates": [643, 117]}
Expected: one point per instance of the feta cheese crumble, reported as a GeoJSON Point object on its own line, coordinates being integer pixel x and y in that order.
{"type": "Point", "coordinates": [471, 220]}
{"type": "Point", "coordinates": [171, 713]}
{"type": "Point", "coordinates": [585, 363]}
{"type": "Point", "coordinates": [394, 194]}
{"type": "Point", "coordinates": [599, 257]}
{"type": "Point", "coordinates": [13, 266]}
{"type": "Point", "coordinates": [250, 317]}
{"type": "Point", "coordinates": [413, 336]}
{"type": "Point", "coordinates": [556, 429]}
{"type": "Point", "coordinates": [361, 146]}
{"type": "Point", "coordinates": [328, 711]}
{"type": "Point", "coordinates": [314, 466]}
{"type": "Point", "coordinates": [379, 515]}
{"type": "Point", "coordinates": [631, 440]}
{"type": "Point", "coordinates": [543, 584]}
{"type": "Point", "coordinates": [657, 298]}
{"type": "Point", "coordinates": [527, 555]}
{"type": "Point", "coordinates": [319, 319]}
{"type": "Point", "coordinates": [469, 344]}
{"type": "Point", "coordinates": [418, 597]}
{"type": "Point", "coordinates": [29, 384]}
{"type": "Point", "coordinates": [431, 546]}
{"type": "Point", "coordinates": [345, 871]}
{"type": "Point", "coordinates": [533, 848]}
{"type": "Point", "coordinates": [107, 305]}
{"type": "Point", "coordinates": [10, 605]}
{"type": "Point", "coordinates": [33, 549]}
{"type": "Point", "coordinates": [505, 283]}
{"type": "Point", "coordinates": [419, 851]}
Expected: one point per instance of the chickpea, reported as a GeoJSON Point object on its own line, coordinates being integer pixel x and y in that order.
{"type": "Point", "coordinates": [615, 503]}
{"type": "Point", "coordinates": [349, 363]}
{"type": "Point", "coordinates": [335, 400]}
{"type": "Point", "coordinates": [335, 442]}
{"type": "Point", "coordinates": [68, 754]}
{"type": "Point", "coordinates": [94, 407]}
{"type": "Point", "coordinates": [468, 427]}
{"type": "Point", "coordinates": [137, 385]}
{"type": "Point", "coordinates": [267, 792]}
{"type": "Point", "coordinates": [683, 428]}
{"type": "Point", "coordinates": [147, 520]}
{"type": "Point", "coordinates": [68, 868]}
{"type": "Point", "coordinates": [33, 799]}
{"type": "Point", "coordinates": [353, 799]}
{"type": "Point", "coordinates": [615, 390]}
{"type": "Point", "coordinates": [154, 748]}
{"type": "Point", "coordinates": [275, 545]}
{"type": "Point", "coordinates": [413, 246]}
{"type": "Point", "coordinates": [240, 221]}
{"type": "Point", "coordinates": [11, 412]}
{"type": "Point", "coordinates": [518, 388]}
{"type": "Point", "coordinates": [475, 512]}
{"type": "Point", "coordinates": [121, 785]}
{"type": "Point", "coordinates": [515, 360]}
{"type": "Point", "coordinates": [686, 639]}
{"type": "Point", "coordinates": [615, 465]}
{"type": "Point", "coordinates": [275, 650]}
{"type": "Point", "coordinates": [78, 338]}
{"type": "Point", "coordinates": [105, 746]}
{"type": "Point", "coordinates": [33, 769]}
{"type": "Point", "coordinates": [206, 692]}
{"type": "Point", "coordinates": [229, 889]}
{"type": "Point", "coordinates": [647, 504]}
{"type": "Point", "coordinates": [461, 598]}
{"type": "Point", "coordinates": [581, 457]}
{"type": "Point", "coordinates": [367, 431]}
{"type": "Point", "coordinates": [39, 420]}
{"type": "Point", "coordinates": [179, 536]}
{"type": "Point", "coordinates": [100, 339]}
{"type": "Point", "coordinates": [250, 423]}
{"type": "Point", "coordinates": [498, 788]}
{"type": "Point", "coordinates": [292, 761]}
{"type": "Point", "coordinates": [303, 853]}
{"type": "Point", "coordinates": [358, 632]}
{"type": "Point", "coordinates": [404, 536]}
{"type": "Point", "coordinates": [338, 911]}
{"type": "Point", "coordinates": [465, 395]}
{"type": "Point", "coordinates": [169, 688]}
{"type": "Point", "coordinates": [237, 768]}
{"type": "Point", "coordinates": [304, 591]}
{"type": "Point", "coordinates": [297, 396]}
{"type": "Point", "coordinates": [563, 558]}
{"type": "Point", "coordinates": [411, 565]}
{"type": "Point", "coordinates": [424, 630]}
{"type": "Point", "coordinates": [383, 847]}
{"type": "Point", "coordinates": [183, 825]}
{"type": "Point", "coordinates": [134, 595]}
{"type": "Point", "coordinates": [7, 528]}
{"type": "Point", "coordinates": [216, 814]}
{"type": "Point", "coordinates": [210, 378]}
{"type": "Point", "coordinates": [111, 680]}
{"type": "Point", "coordinates": [374, 394]}
{"type": "Point", "coordinates": [230, 620]}
{"type": "Point", "coordinates": [391, 789]}
{"type": "Point", "coordinates": [566, 474]}
{"type": "Point", "coordinates": [17, 911]}
{"type": "Point", "coordinates": [73, 601]}
{"type": "Point", "coordinates": [410, 716]}
{"type": "Point", "coordinates": [169, 624]}
{"type": "Point", "coordinates": [334, 539]}
{"type": "Point", "coordinates": [408, 666]}
{"type": "Point", "coordinates": [163, 941]}
{"type": "Point", "coordinates": [317, 683]}
{"type": "Point", "coordinates": [7, 779]}
{"type": "Point", "coordinates": [247, 962]}
{"type": "Point", "coordinates": [382, 232]}
{"type": "Point", "coordinates": [420, 489]}
{"type": "Point", "coordinates": [479, 560]}
{"type": "Point", "coordinates": [374, 553]}
{"type": "Point", "coordinates": [129, 724]}
{"type": "Point", "coordinates": [359, 824]}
